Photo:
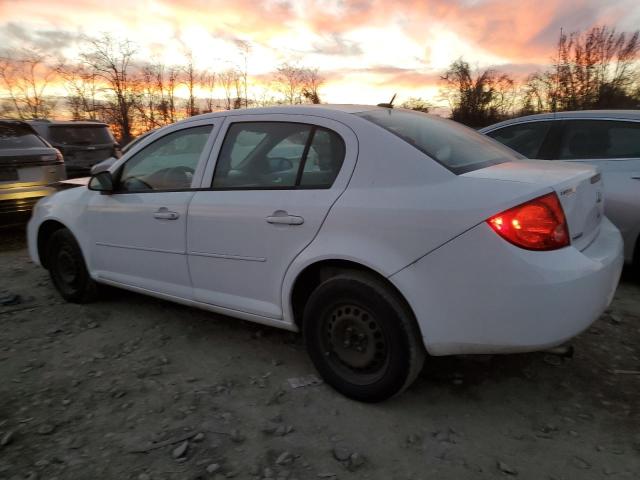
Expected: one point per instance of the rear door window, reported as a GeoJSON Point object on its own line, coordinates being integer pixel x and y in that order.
{"type": "Point", "coordinates": [19, 136]}
{"type": "Point", "coordinates": [80, 135]}
{"type": "Point", "coordinates": [451, 144]}
{"type": "Point", "coordinates": [278, 155]}
{"type": "Point", "coordinates": [599, 139]}
{"type": "Point", "coordinates": [524, 138]}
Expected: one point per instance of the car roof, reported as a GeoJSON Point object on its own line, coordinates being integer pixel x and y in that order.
{"type": "Point", "coordinates": [80, 123]}
{"type": "Point", "coordinates": [9, 121]}
{"type": "Point", "coordinates": [329, 110]}
{"type": "Point", "coordinates": [575, 114]}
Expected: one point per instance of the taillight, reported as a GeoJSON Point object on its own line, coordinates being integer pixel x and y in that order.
{"type": "Point", "coordinates": [538, 224]}
{"type": "Point", "coordinates": [59, 157]}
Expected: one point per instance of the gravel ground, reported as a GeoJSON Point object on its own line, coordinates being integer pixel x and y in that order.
{"type": "Point", "coordinates": [132, 387]}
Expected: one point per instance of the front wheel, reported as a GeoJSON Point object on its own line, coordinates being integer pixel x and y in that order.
{"type": "Point", "coordinates": [362, 338]}
{"type": "Point", "coordinates": [67, 268]}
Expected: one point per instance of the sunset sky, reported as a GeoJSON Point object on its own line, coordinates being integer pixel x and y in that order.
{"type": "Point", "coordinates": [366, 49]}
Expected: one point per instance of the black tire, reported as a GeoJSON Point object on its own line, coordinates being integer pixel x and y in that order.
{"type": "Point", "coordinates": [68, 269]}
{"type": "Point", "coordinates": [362, 337]}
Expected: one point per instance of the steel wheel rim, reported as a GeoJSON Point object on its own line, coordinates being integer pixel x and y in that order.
{"type": "Point", "coordinates": [67, 267]}
{"type": "Point", "coordinates": [354, 343]}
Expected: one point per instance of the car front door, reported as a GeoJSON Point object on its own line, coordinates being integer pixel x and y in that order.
{"type": "Point", "coordinates": [139, 230]}
{"type": "Point", "coordinates": [274, 181]}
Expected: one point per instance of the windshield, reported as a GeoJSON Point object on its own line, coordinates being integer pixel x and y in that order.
{"type": "Point", "coordinates": [80, 135]}
{"type": "Point", "coordinates": [454, 146]}
{"type": "Point", "coordinates": [19, 136]}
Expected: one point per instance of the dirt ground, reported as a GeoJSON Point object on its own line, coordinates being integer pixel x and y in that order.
{"type": "Point", "coordinates": [132, 387]}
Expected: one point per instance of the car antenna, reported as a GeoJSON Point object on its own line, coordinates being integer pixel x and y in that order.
{"type": "Point", "coordinates": [390, 104]}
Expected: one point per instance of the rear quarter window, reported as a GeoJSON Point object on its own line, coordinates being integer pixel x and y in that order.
{"type": "Point", "coordinates": [80, 135]}
{"type": "Point", "coordinates": [19, 136]}
{"type": "Point", "coordinates": [454, 146]}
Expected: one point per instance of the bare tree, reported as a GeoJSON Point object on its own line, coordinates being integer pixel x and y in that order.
{"type": "Point", "coordinates": [290, 80]}
{"type": "Point", "coordinates": [594, 69]}
{"type": "Point", "coordinates": [312, 83]}
{"type": "Point", "coordinates": [479, 98]}
{"type": "Point", "coordinates": [82, 88]}
{"type": "Point", "coordinates": [111, 61]}
{"type": "Point", "coordinates": [208, 82]}
{"type": "Point", "coordinates": [245, 48]}
{"type": "Point", "coordinates": [229, 79]}
{"type": "Point", "coordinates": [190, 81]}
{"type": "Point", "coordinates": [418, 104]}
{"type": "Point", "coordinates": [25, 77]}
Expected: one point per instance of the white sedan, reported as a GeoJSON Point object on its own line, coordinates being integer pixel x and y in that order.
{"type": "Point", "coordinates": [382, 234]}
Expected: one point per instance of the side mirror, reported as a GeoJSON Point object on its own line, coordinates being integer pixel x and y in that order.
{"type": "Point", "coordinates": [101, 182]}
{"type": "Point", "coordinates": [103, 165]}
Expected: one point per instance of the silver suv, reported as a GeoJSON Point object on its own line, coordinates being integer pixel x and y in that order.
{"type": "Point", "coordinates": [28, 168]}
{"type": "Point", "coordinates": [609, 139]}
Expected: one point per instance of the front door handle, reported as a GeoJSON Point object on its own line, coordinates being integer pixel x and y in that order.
{"type": "Point", "coordinates": [281, 217]}
{"type": "Point", "coordinates": [165, 214]}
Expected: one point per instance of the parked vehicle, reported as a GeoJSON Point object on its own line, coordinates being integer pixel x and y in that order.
{"type": "Point", "coordinates": [382, 234]}
{"type": "Point", "coordinates": [83, 143]}
{"type": "Point", "coordinates": [28, 168]}
{"type": "Point", "coordinates": [105, 164]}
{"type": "Point", "coordinates": [609, 139]}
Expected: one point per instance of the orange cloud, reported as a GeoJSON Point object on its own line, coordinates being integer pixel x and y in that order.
{"type": "Point", "coordinates": [382, 42]}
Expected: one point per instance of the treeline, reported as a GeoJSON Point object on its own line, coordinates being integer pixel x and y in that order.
{"type": "Point", "coordinates": [597, 69]}
{"type": "Point", "coordinates": [107, 82]}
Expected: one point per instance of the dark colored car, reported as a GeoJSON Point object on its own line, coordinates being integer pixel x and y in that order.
{"type": "Point", "coordinates": [105, 164]}
{"type": "Point", "coordinates": [29, 166]}
{"type": "Point", "coordinates": [83, 143]}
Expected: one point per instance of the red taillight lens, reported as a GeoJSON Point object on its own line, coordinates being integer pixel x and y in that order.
{"type": "Point", "coordinates": [539, 224]}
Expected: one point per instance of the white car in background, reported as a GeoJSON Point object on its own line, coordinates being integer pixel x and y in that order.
{"type": "Point", "coordinates": [608, 139]}
{"type": "Point", "coordinates": [382, 234]}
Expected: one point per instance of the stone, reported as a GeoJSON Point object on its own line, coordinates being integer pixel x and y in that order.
{"type": "Point", "coordinates": [267, 473]}
{"type": "Point", "coordinates": [213, 468]}
{"type": "Point", "coordinates": [46, 429]}
{"type": "Point", "coordinates": [506, 468]}
{"type": "Point", "coordinates": [181, 450]}
{"type": "Point", "coordinates": [552, 360]}
{"type": "Point", "coordinates": [285, 458]}
{"type": "Point", "coordinates": [580, 463]}
{"type": "Point", "coordinates": [236, 436]}
{"type": "Point", "coordinates": [6, 439]}
{"type": "Point", "coordinates": [341, 452]}
{"type": "Point", "coordinates": [355, 461]}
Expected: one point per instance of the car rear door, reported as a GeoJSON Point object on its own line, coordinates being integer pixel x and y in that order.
{"type": "Point", "coordinates": [613, 145]}
{"type": "Point", "coordinates": [139, 231]}
{"type": "Point", "coordinates": [271, 181]}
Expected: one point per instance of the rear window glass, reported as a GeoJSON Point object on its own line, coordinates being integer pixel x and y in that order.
{"type": "Point", "coordinates": [524, 138]}
{"type": "Point", "coordinates": [600, 139]}
{"type": "Point", "coordinates": [80, 135]}
{"type": "Point", "coordinates": [451, 144]}
{"type": "Point", "coordinates": [19, 136]}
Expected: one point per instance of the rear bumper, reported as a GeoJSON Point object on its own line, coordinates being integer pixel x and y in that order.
{"type": "Point", "coordinates": [480, 294]}
{"type": "Point", "coordinates": [17, 203]}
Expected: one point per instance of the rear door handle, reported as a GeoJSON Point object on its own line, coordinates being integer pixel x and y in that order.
{"type": "Point", "coordinates": [165, 214]}
{"type": "Point", "coordinates": [283, 218]}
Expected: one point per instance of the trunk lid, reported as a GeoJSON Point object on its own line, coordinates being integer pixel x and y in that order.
{"type": "Point", "coordinates": [579, 188]}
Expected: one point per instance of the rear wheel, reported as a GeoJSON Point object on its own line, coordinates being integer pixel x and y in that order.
{"type": "Point", "coordinates": [362, 338]}
{"type": "Point", "coordinates": [68, 269]}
